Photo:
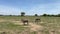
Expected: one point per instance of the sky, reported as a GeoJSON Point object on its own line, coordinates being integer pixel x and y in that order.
{"type": "Point", "coordinates": [30, 7]}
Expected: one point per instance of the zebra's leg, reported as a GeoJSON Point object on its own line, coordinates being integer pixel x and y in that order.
{"type": "Point", "coordinates": [23, 23]}
{"type": "Point", "coordinates": [27, 23]}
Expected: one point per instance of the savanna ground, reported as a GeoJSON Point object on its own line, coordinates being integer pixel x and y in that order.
{"type": "Point", "coordinates": [13, 25]}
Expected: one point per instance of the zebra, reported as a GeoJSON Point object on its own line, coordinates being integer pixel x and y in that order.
{"type": "Point", "coordinates": [24, 21]}
{"type": "Point", "coordinates": [37, 20]}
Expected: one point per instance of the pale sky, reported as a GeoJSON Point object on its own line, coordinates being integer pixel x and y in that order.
{"type": "Point", "coordinates": [30, 7]}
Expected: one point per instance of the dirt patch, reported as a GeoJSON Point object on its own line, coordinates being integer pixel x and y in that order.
{"type": "Point", "coordinates": [35, 27]}
{"type": "Point", "coordinates": [2, 20]}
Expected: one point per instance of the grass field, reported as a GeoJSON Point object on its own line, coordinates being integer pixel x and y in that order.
{"type": "Point", "coordinates": [7, 23]}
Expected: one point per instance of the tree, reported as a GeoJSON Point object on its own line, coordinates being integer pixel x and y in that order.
{"type": "Point", "coordinates": [44, 15]}
{"type": "Point", "coordinates": [22, 13]}
{"type": "Point", "coordinates": [36, 14]}
{"type": "Point", "coordinates": [58, 15]}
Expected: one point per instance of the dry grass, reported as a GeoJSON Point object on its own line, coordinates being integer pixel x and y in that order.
{"type": "Point", "coordinates": [13, 25]}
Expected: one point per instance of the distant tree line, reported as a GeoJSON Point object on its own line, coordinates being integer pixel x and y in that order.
{"type": "Point", "coordinates": [23, 14]}
{"type": "Point", "coordinates": [9, 15]}
{"type": "Point", "coordinates": [58, 15]}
